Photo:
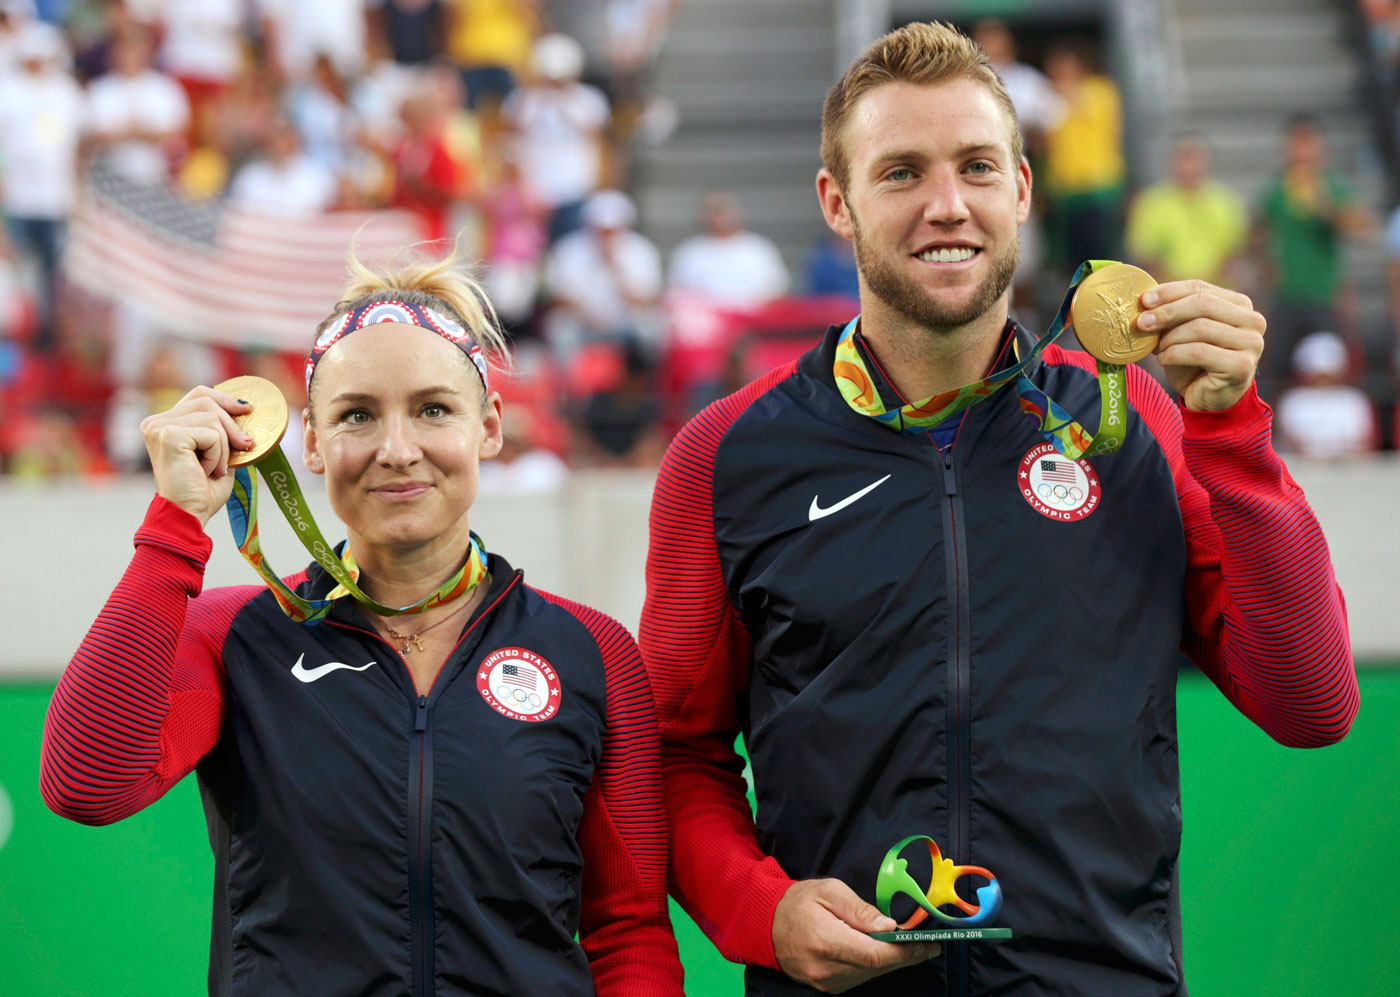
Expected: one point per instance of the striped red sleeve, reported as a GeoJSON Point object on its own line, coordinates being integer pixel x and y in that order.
{"type": "Point", "coordinates": [1267, 620]}
{"type": "Point", "coordinates": [141, 702]}
{"type": "Point", "coordinates": [697, 653]}
{"type": "Point", "coordinates": [624, 926]}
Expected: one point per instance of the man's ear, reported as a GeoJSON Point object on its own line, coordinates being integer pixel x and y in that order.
{"type": "Point", "coordinates": [833, 201]}
{"type": "Point", "coordinates": [1023, 192]}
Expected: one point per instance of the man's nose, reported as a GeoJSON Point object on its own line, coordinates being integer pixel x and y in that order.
{"type": "Point", "coordinates": [944, 203]}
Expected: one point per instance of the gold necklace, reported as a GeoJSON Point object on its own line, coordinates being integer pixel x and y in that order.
{"type": "Point", "coordinates": [414, 636]}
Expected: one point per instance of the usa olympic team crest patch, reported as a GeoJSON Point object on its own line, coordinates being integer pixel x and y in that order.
{"type": "Point", "coordinates": [519, 684]}
{"type": "Point", "coordinates": [1057, 487]}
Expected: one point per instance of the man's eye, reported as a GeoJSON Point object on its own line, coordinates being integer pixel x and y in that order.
{"type": "Point", "coordinates": [900, 175]}
{"type": "Point", "coordinates": [980, 169]}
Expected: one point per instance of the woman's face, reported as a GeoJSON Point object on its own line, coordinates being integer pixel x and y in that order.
{"type": "Point", "coordinates": [398, 428]}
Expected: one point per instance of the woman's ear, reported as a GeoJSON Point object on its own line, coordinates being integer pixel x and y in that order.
{"type": "Point", "coordinates": [310, 454]}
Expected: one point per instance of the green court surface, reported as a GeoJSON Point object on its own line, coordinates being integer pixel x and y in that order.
{"type": "Point", "coordinates": [1290, 868]}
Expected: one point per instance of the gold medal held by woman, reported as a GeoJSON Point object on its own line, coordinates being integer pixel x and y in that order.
{"type": "Point", "coordinates": [266, 423]}
{"type": "Point", "coordinates": [1105, 311]}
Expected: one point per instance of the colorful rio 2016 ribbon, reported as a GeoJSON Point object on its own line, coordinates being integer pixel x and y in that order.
{"type": "Point", "coordinates": [894, 880]}
{"type": "Point", "coordinates": [1056, 426]}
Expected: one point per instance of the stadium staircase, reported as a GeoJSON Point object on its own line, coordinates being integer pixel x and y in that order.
{"type": "Point", "coordinates": [748, 80]}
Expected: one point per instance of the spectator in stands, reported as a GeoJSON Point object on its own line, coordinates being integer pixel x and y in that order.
{"type": "Point", "coordinates": [138, 115]}
{"type": "Point", "coordinates": [285, 181]}
{"type": "Point", "coordinates": [296, 31]}
{"type": "Point", "coordinates": [427, 178]}
{"type": "Point", "coordinates": [17, 22]}
{"type": "Point", "coordinates": [1039, 107]}
{"type": "Point", "coordinates": [603, 281]}
{"type": "Point", "coordinates": [161, 383]}
{"type": "Point", "coordinates": [619, 426]}
{"type": "Point", "coordinates": [559, 126]}
{"type": "Point", "coordinates": [92, 28]}
{"type": "Point", "coordinates": [1189, 225]}
{"type": "Point", "coordinates": [1303, 218]}
{"type": "Point", "coordinates": [245, 115]}
{"type": "Point", "coordinates": [1322, 415]}
{"type": "Point", "coordinates": [515, 243]}
{"type": "Point", "coordinates": [490, 41]}
{"type": "Point", "coordinates": [726, 263]}
{"type": "Point", "coordinates": [41, 113]}
{"type": "Point", "coordinates": [414, 29]}
{"type": "Point", "coordinates": [831, 268]}
{"type": "Point", "coordinates": [1084, 168]}
{"type": "Point", "coordinates": [202, 47]}
{"type": "Point", "coordinates": [325, 121]}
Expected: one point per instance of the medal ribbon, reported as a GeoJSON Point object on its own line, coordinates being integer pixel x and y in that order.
{"type": "Point", "coordinates": [1059, 429]}
{"type": "Point", "coordinates": [242, 509]}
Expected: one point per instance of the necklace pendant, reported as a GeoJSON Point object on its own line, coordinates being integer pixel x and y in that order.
{"type": "Point", "coordinates": [416, 643]}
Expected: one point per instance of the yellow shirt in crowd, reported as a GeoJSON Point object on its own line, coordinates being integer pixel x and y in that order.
{"type": "Point", "coordinates": [1084, 153]}
{"type": "Point", "coordinates": [492, 33]}
{"type": "Point", "coordinates": [1187, 233]}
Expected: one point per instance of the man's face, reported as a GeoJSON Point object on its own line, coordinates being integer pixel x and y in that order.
{"type": "Point", "coordinates": [1190, 163]}
{"type": "Point", "coordinates": [933, 201]}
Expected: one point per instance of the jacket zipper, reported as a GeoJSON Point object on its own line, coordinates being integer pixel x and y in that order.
{"type": "Point", "coordinates": [957, 697]}
{"type": "Point", "coordinates": [421, 917]}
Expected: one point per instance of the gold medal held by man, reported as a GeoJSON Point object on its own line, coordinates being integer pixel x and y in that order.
{"type": "Point", "coordinates": [266, 423]}
{"type": "Point", "coordinates": [1105, 311]}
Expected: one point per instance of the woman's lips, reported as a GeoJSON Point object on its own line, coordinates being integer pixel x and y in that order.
{"type": "Point", "coordinates": [402, 492]}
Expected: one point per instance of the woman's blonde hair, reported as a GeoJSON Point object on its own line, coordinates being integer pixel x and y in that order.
{"type": "Point", "coordinates": [445, 285]}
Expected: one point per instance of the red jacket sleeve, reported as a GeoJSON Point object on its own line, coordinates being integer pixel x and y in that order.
{"type": "Point", "coordinates": [624, 926]}
{"type": "Point", "coordinates": [142, 700]}
{"type": "Point", "coordinates": [1267, 620]}
{"type": "Point", "coordinates": [698, 653]}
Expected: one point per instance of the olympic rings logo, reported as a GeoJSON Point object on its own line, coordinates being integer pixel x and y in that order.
{"type": "Point", "coordinates": [894, 880]}
{"type": "Point", "coordinates": [1060, 494]}
{"type": "Point", "coordinates": [508, 694]}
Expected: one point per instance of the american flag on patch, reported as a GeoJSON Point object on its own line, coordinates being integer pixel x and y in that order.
{"type": "Point", "coordinates": [515, 675]}
{"type": "Point", "coordinates": [1058, 470]}
{"type": "Point", "coordinates": [217, 272]}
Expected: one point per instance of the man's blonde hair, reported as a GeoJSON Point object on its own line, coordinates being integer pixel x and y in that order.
{"type": "Point", "coordinates": [923, 53]}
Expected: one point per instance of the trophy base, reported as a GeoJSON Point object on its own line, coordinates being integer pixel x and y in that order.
{"type": "Point", "coordinates": [941, 934]}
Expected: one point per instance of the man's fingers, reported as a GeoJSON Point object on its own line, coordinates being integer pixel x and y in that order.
{"type": "Point", "coordinates": [1204, 330]}
{"type": "Point", "coordinates": [846, 904]}
{"type": "Point", "coordinates": [1174, 290]}
{"type": "Point", "coordinates": [1231, 364]}
{"type": "Point", "coordinates": [1170, 314]}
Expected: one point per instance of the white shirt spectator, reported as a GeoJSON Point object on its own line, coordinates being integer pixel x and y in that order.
{"type": "Point", "coordinates": [297, 186]}
{"type": "Point", "coordinates": [558, 139]}
{"type": "Point", "coordinates": [148, 102]}
{"type": "Point", "coordinates": [202, 38]}
{"type": "Point", "coordinates": [1327, 421]}
{"type": "Point", "coordinates": [305, 27]}
{"type": "Point", "coordinates": [738, 271]}
{"type": "Point", "coordinates": [578, 271]}
{"type": "Point", "coordinates": [1038, 107]}
{"type": "Point", "coordinates": [41, 119]}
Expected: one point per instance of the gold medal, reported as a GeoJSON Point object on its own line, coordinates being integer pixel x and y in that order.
{"type": "Point", "coordinates": [266, 423]}
{"type": "Point", "coordinates": [1105, 311]}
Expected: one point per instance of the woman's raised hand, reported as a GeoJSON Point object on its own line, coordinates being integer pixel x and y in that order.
{"type": "Point", "coordinates": [190, 445]}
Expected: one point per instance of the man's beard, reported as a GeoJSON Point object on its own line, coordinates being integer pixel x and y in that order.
{"type": "Point", "coordinates": [906, 296]}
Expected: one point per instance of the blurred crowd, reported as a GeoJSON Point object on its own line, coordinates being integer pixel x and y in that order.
{"type": "Point", "coordinates": [511, 125]}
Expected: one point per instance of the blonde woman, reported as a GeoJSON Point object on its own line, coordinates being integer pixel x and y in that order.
{"type": "Point", "coordinates": [461, 799]}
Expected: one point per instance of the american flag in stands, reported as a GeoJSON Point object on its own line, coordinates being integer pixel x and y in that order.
{"type": "Point", "coordinates": [516, 675]}
{"type": "Point", "coordinates": [1058, 470]}
{"type": "Point", "coordinates": [218, 272]}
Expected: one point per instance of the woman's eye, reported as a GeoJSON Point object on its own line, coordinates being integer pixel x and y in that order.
{"type": "Point", "coordinates": [434, 410]}
{"type": "Point", "coordinates": [355, 417]}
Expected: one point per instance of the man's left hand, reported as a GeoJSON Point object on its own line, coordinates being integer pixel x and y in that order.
{"type": "Point", "coordinates": [1211, 340]}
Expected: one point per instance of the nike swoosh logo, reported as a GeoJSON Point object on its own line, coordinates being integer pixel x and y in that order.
{"type": "Point", "coordinates": [321, 671]}
{"type": "Point", "coordinates": [816, 512]}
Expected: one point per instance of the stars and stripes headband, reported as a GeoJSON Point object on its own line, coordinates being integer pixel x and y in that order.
{"type": "Point", "coordinates": [405, 314]}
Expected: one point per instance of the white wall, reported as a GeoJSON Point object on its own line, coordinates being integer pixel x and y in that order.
{"type": "Point", "coordinates": [64, 548]}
